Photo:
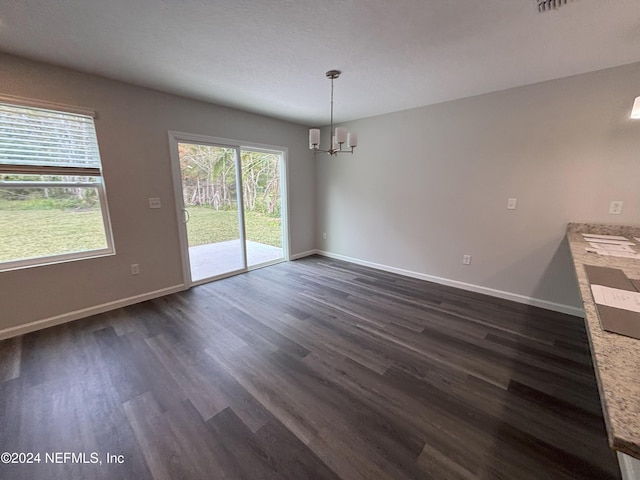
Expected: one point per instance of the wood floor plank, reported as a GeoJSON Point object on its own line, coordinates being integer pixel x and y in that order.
{"type": "Point", "coordinates": [292, 459]}
{"type": "Point", "coordinates": [10, 358]}
{"type": "Point", "coordinates": [439, 466]}
{"type": "Point", "coordinates": [165, 456]}
{"type": "Point", "coordinates": [220, 389]}
{"type": "Point", "coordinates": [270, 391]}
{"type": "Point", "coordinates": [405, 419]}
{"type": "Point", "coordinates": [206, 397]}
{"type": "Point", "coordinates": [310, 369]}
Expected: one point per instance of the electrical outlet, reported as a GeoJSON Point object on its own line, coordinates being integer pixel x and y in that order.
{"type": "Point", "coordinates": [616, 207]}
{"type": "Point", "coordinates": [466, 260]}
{"type": "Point", "coordinates": [155, 203]}
{"type": "Point", "coordinates": [512, 203]}
{"type": "Point", "coordinates": [135, 269]}
{"type": "Point", "coordinates": [324, 235]}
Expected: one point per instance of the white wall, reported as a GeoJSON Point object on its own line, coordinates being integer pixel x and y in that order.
{"type": "Point", "coordinates": [132, 127]}
{"type": "Point", "coordinates": [428, 185]}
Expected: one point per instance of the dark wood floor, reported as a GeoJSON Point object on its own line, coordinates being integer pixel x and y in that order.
{"type": "Point", "coordinates": [314, 369]}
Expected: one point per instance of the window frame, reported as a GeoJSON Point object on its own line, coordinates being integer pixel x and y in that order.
{"type": "Point", "coordinates": [59, 170]}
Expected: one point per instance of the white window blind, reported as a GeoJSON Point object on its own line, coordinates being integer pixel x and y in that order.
{"type": "Point", "coordinates": [46, 142]}
{"type": "Point", "coordinates": [53, 204]}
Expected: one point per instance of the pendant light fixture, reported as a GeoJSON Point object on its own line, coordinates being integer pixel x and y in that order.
{"type": "Point", "coordinates": [339, 136]}
{"type": "Point", "coordinates": [635, 111]}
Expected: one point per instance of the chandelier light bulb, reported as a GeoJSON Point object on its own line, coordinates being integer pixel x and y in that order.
{"type": "Point", "coordinates": [635, 112]}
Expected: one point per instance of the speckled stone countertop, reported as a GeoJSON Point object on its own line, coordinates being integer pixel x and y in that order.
{"type": "Point", "coordinates": [616, 358]}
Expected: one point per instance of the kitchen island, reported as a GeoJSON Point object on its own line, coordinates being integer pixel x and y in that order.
{"type": "Point", "coordinates": [616, 358]}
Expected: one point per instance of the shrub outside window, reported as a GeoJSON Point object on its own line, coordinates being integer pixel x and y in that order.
{"type": "Point", "coordinates": [53, 204]}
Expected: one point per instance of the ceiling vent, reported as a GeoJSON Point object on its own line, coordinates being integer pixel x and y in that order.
{"type": "Point", "coordinates": [548, 5]}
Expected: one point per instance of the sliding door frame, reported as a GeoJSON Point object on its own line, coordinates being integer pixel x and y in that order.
{"type": "Point", "coordinates": [181, 137]}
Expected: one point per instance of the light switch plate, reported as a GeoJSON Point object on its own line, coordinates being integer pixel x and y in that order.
{"type": "Point", "coordinates": [616, 207]}
{"type": "Point", "coordinates": [512, 203]}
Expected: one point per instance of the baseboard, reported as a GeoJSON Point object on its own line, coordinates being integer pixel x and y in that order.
{"type": "Point", "coordinates": [308, 253]}
{"type": "Point", "coordinates": [536, 302]}
{"type": "Point", "coordinates": [85, 312]}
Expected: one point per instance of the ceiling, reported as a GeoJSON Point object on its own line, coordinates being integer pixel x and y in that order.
{"type": "Point", "coordinates": [270, 56]}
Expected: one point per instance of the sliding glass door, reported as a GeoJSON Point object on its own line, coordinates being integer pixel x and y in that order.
{"type": "Point", "coordinates": [231, 202]}
{"type": "Point", "coordinates": [262, 205]}
{"type": "Point", "coordinates": [211, 198]}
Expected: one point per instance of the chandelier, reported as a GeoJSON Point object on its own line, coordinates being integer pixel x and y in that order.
{"type": "Point", "coordinates": [339, 136]}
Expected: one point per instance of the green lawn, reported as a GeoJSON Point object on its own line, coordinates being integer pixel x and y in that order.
{"type": "Point", "coordinates": [207, 225]}
{"type": "Point", "coordinates": [42, 232]}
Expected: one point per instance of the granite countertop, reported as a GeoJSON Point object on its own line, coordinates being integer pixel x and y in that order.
{"type": "Point", "coordinates": [616, 358]}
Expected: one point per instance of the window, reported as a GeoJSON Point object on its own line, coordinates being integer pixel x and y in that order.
{"type": "Point", "coordinates": [52, 199]}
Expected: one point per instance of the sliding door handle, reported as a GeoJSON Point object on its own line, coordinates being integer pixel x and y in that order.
{"type": "Point", "coordinates": [186, 215]}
